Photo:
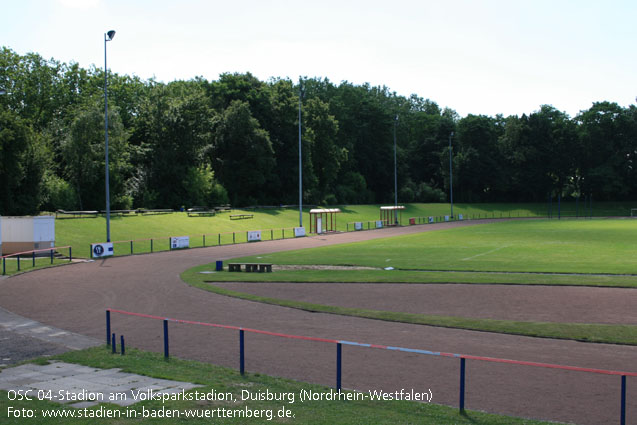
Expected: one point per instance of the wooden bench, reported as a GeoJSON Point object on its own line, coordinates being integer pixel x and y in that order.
{"type": "Point", "coordinates": [241, 216]}
{"type": "Point", "coordinates": [201, 213]}
{"type": "Point", "coordinates": [75, 214]}
{"type": "Point", "coordinates": [250, 267]}
{"type": "Point", "coordinates": [144, 211]}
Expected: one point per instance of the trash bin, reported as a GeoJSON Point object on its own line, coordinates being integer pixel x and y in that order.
{"type": "Point", "coordinates": [219, 266]}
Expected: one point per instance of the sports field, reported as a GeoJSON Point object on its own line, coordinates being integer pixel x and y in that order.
{"type": "Point", "coordinates": [75, 297]}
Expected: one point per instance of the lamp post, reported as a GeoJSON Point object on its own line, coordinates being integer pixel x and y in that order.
{"type": "Point", "coordinates": [300, 157]}
{"type": "Point", "coordinates": [450, 175]}
{"type": "Point", "coordinates": [395, 174]}
{"type": "Point", "coordinates": [107, 37]}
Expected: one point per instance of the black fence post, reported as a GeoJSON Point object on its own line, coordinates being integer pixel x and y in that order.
{"type": "Point", "coordinates": [71, 254]}
{"type": "Point", "coordinates": [108, 327]}
{"type": "Point", "coordinates": [339, 365]}
{"type": "Point", "coordinates": [462, 380]}
{"type": "Point", "coordinates": [242, 364]}
{"type": "Point", "coordinates": [33, 258]}
{"type": "Point", "coordinates": [165, 339]}
{"type": "Point", "coordinates": [121, 343]}
{"type": "Point", "coordinates": [113, 347]}
{"type": "Point", "coordinates": [51, 255]}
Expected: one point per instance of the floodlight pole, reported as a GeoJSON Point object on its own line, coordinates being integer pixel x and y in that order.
{"type": "Point", "coordinates": [107, 37]}
{"type": "Point", "coordinates": [300, 158]}
{"type": "Point", "coordinates": [450, 175]}
{"type": "Point", "coordinates": [395, 174]}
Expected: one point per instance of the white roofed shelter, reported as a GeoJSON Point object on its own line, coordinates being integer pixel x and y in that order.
{"type": "Point", "coordinates": [389, 215]}
{"type": "Point", "coordinates": [323, 220]}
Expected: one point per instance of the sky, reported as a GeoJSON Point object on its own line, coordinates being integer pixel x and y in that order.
{"type": "Point", "coordinates": [477, 57]}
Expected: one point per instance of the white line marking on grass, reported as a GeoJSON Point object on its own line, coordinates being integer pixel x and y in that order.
{"type": "Point", "coordinates": [485, 253]}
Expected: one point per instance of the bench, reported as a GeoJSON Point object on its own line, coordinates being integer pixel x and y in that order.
{"type": "Point", "coordinates": [241, 216]}
{"type": "Point", "coordinates": [201, 213]}
{"type": "Point", "coordinates": [250, 267]}
{"type": "Point", "coordinates": [120, 213]}
{"type": "Point", "coordinates": [144, 211]}
{"type": "Point", "coordinates": [76, 213]}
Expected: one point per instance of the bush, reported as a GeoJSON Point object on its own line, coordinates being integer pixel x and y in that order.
{"type": "Point", "coordinates": [58, 194]}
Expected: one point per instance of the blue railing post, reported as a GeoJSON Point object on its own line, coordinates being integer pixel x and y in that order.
{"type": "Point", "coordinates": [123, 349]}
{"type": "Point", "coordinates": [33, 258]}
{"type": "Point", "coordinates": [339, 365]}
{"type": "Point", "coordinates": [241, 352]}
{"type": "Point", "coordinates": [18, 263]}
{"type": "Point", "coordinates": [4, 266]}
{"type": "Point", "coordinates": [51, 255]}
{"type": "Point", "coordinates": [113, 347]}
{"type": "Point", "coordinates": [151, 245]}
{"type": "Point", "coordinates": [165, 339]}
{"type": "Point", "coordinates": [462, 375]}
{"type": "Point", "coordinates": [131, 247]}
{"type": "Point", "coordinates": [108, 327]}
{"type": "Point", "coordinates": [623, 402]}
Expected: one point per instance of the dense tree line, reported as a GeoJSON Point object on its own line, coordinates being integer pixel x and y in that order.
{"type": "Point", "coordinates": [235, 140]}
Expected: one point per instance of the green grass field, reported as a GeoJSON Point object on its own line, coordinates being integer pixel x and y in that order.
{"type": "Point", "coordinates": [547, 252]}
{"type": "Point", "coordinates": [81, 232]}
{"type": "Point", "coordinates": [228, 380]}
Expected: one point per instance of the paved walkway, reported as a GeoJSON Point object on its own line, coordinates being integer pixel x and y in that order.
{"type": "Point", "coordinates": [22, 339]}
{"type": "Point", "coordinates": [82, 386]}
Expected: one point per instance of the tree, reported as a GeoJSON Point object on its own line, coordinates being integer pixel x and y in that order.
{"type": "Point", "coordinates": [84, 159]}
{"type": "Point", "coordinates": [175, 129]}
{"type": "Point", "coordinates": [242, 155]}
{"type": "Point", "coordinates": [23, 162]}
{"type": "Point", "coordinates": [326, 156]}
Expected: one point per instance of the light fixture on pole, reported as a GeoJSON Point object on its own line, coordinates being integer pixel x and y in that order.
{"type": "Point", "coordinates": [395, 174]}
{"type": "Point", "coordinates": [107, 37]}
{"type": "Point", "coordinates": [300, 157]}
{"type": "Point", "coordinates": [450, 175]}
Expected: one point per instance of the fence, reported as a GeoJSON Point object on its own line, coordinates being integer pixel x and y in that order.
{"type": "Point", "coordinates": [339, 354]}
{"type": "Point", "coordinates": [38, 257]}
{"type": "Point", "coordinates": [150, 245]}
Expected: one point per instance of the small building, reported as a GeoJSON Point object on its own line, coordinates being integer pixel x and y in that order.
{"type": "Point", "coordinates": [323, 220]}
{"type": "Point", "coordinates": [389, 215]}
{"type": "Point", "coordinates": [20, 234]}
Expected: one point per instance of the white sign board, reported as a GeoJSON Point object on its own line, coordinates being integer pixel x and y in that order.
{"type": "Point", "coordinates": [379, 224]}
{"type": "Point", "coordinates": [319, 225]}
{"type": "Point", "coordinates": [254, 236]}
{"type": "Point", "coordinates": [299, 232]}
{"type": "Point", "coordinates": [431, 219]}
{"type": "Point", "coordinates": [459, 216]}
{"type": "Point", "coordinates": [446, 218]}
{"type": "Point", "coordinates": [358, 225]}
{"type": "Point", "coordinates": [178, 242]}
{"type": "Point", "coordinates": [102, 249]}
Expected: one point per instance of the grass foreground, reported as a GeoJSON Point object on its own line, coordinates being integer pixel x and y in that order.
{"type": "Point", "coordinates": [226, 380]}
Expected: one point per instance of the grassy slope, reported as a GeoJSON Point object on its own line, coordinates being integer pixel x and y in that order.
{"type": "Point", "coordinates": [228, 380]}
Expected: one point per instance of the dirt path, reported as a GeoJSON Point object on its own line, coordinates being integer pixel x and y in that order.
{"type": "Point", "coordinates": [75, 297]}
